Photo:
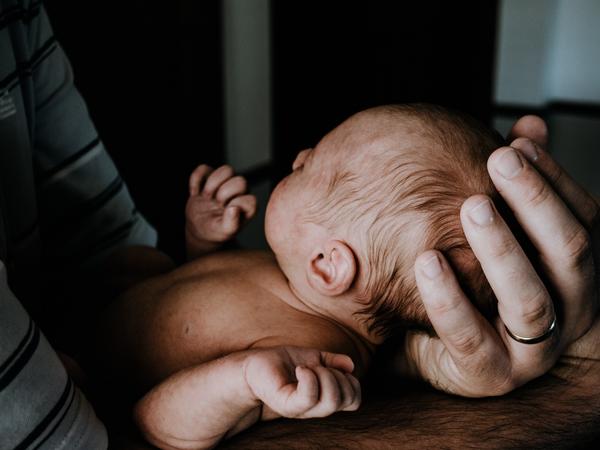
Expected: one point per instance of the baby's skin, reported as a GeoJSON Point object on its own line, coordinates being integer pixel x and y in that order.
{"type": "Point", "coordinates": [223, 341]}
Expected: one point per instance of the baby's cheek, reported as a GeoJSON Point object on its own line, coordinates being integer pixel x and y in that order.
{"type": "Point", "coordinates": [273, 224]}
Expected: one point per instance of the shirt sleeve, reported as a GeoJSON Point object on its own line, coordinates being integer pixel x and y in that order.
{"type": "Point", "coordinates": [41, 407]}
{"type": "Point", "coordinates": [85, 208]}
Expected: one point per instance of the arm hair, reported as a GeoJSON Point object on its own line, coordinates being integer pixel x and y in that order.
{"type": "Point", "coordinates": [550, 412]}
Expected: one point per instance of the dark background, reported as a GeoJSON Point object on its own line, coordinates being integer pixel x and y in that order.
{"type": "Point", "coordinates": [151, 73]}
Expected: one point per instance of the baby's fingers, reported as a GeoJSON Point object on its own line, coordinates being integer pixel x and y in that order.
{"type": "Point", "coordinates": [308, 386]}
{"type": "Point", "coordinates": [357, 393]}
{"type": "Point", "coordinates": [198, 177]}
{"type": "Point", "coordinates": [231, 188]}
{"type": "Point", "coordinates": [330, 394]}
{"type": "Point", "coordinates": [230, 223]}
{"type": "Point", "coordinates": [216, 179]}
{"type": "Point", "coordinates": [337, 361]}
{"type": "Point", "coordinates": [350, 398]}
{"type": "Point", "coordinates": [247, 203]}
{"type": "Point", "coordinates": [305, 396]}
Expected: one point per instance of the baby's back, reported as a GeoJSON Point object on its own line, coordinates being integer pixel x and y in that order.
{"type": "Point", "coordinates": [213, 306]}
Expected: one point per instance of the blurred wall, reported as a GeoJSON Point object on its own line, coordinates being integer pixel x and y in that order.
{"type": "Point", "coordinates": [548, 50]}
{"type": "Point", "coordinates": [548, 63]}
{"type": "Point", "coordinates": [247, 82]}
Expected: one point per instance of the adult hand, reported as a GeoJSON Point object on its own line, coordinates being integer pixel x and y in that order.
{"type": "Point", "coordinates": [473, 357]}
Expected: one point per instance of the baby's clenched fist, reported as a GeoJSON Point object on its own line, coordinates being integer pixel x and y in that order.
{"type": "Point", "coordinates": [217, 208]}
{"type": "Point", "coordinates": [302, 383]}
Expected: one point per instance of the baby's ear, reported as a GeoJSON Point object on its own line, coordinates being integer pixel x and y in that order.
{"type": "Point", "coordinates": [332, 268]}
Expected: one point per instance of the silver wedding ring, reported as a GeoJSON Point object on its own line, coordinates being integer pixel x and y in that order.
{"type": "Point", "coordinates": [533, 340]}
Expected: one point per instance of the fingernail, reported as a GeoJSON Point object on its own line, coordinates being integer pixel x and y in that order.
{"type": "Point", "coordinates": [509, 164]}
{"type": "Point", "coordinates": [432, 267]}
{"type": "Point", "coordinates": [528, 148]}
{"type": "Point", "coordinates": [482, 214]}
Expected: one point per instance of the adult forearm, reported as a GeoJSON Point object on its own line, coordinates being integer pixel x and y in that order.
{"type": "Point", "coordinates": [547, 413]}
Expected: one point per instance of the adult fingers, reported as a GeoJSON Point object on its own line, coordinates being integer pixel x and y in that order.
{"type": "Point", "coordinates": [563, 243]}
{"type": "Point", "coordinates": [487, 372]}
{"type": "Point", "coordinates": [229, 189]}
{"type": "Point", "coordinates": [530, 135]}
{"type": "Point", "coordinates": [579, 201]}
{"type": "Point", "coordinates": [198, 177]}
{"type": "Point", "coordinates": [216, 179]}
{"type": "Point", "coordinates": [524, 304]}
{"type": "Point", "coordinates": [466, 337]}
{"type": "Point", "coordinates": [532, 127]}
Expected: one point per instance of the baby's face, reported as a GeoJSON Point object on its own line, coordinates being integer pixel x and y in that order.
{"type": "Point", "coordinates": [285, 226]}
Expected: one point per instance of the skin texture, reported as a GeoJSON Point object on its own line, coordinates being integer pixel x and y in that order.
{"type": "Point", "coordinates": [476, 359]}
{"type": "Point", "coordinates": [242, 388]}
{"type": "Point", "coordinates": [548, 413]}
{"type": "Point", "coordinates": [216, 336]}
{"type": "Point", "coordinates": [560, 409]}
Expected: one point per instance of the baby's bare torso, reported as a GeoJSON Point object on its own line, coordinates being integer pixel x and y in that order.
{"type": "Point", "coordinates": [210, 307]}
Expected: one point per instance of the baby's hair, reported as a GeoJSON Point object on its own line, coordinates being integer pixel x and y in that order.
{"type": "Point", "coordinates": [436, 162]}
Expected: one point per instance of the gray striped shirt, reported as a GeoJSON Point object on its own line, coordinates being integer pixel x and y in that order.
{"type": "Point", "coordinates": [63, 207]}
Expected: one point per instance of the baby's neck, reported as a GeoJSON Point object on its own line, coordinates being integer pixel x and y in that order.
{"type": "Point", "coordinates": [349, 325]}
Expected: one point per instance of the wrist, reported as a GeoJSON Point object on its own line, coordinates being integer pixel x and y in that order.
{"type": "Point", "coordinates": [266, 413]}
{"type": "Point", "coordinates": [196, 246]}
{"type": "Point", "coordinates": [249, 391]}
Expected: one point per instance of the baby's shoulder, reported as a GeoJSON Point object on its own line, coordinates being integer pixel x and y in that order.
{"type": "Point", "coordinates": [230, 261]}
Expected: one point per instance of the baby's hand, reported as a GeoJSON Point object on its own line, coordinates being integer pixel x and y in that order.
{"type": "Point", "coordinates": [302, 383]}
{"type": "Point", "coordinates": [217, 208]}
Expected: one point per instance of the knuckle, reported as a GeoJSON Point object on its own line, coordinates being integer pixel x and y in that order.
{"type": "Point", "coordinates": [503, 248]}
{"type": "Point", "coordinates": [445, 304]}
{"type": "Point", "coordinates": [467, 341]}
{"type": "Point", "coordinates": [535, 307]}
{"type": "Point", "coordinates": [555, 174]}
{"type": "Point", "coordinates": [487, 375]}
{"type": "Point", "coordinates": [538, 193]}
{"type": "Point", "coordinates": [578, 248]}
{"type": "Point", "coordinates": [503, 387]}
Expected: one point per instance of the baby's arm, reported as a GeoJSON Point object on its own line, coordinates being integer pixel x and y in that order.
{"type": "Point", "coordinates": [216, 209]}
{"type": "Point", "coordinates": [197, 407]}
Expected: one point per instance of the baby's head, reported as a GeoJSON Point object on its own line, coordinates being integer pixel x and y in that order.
{"type": "Point", "coordinates": [387, 184]}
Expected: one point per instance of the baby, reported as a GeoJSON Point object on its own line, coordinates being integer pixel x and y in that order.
{"type": "Point", "coordinates": [232, 338]}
